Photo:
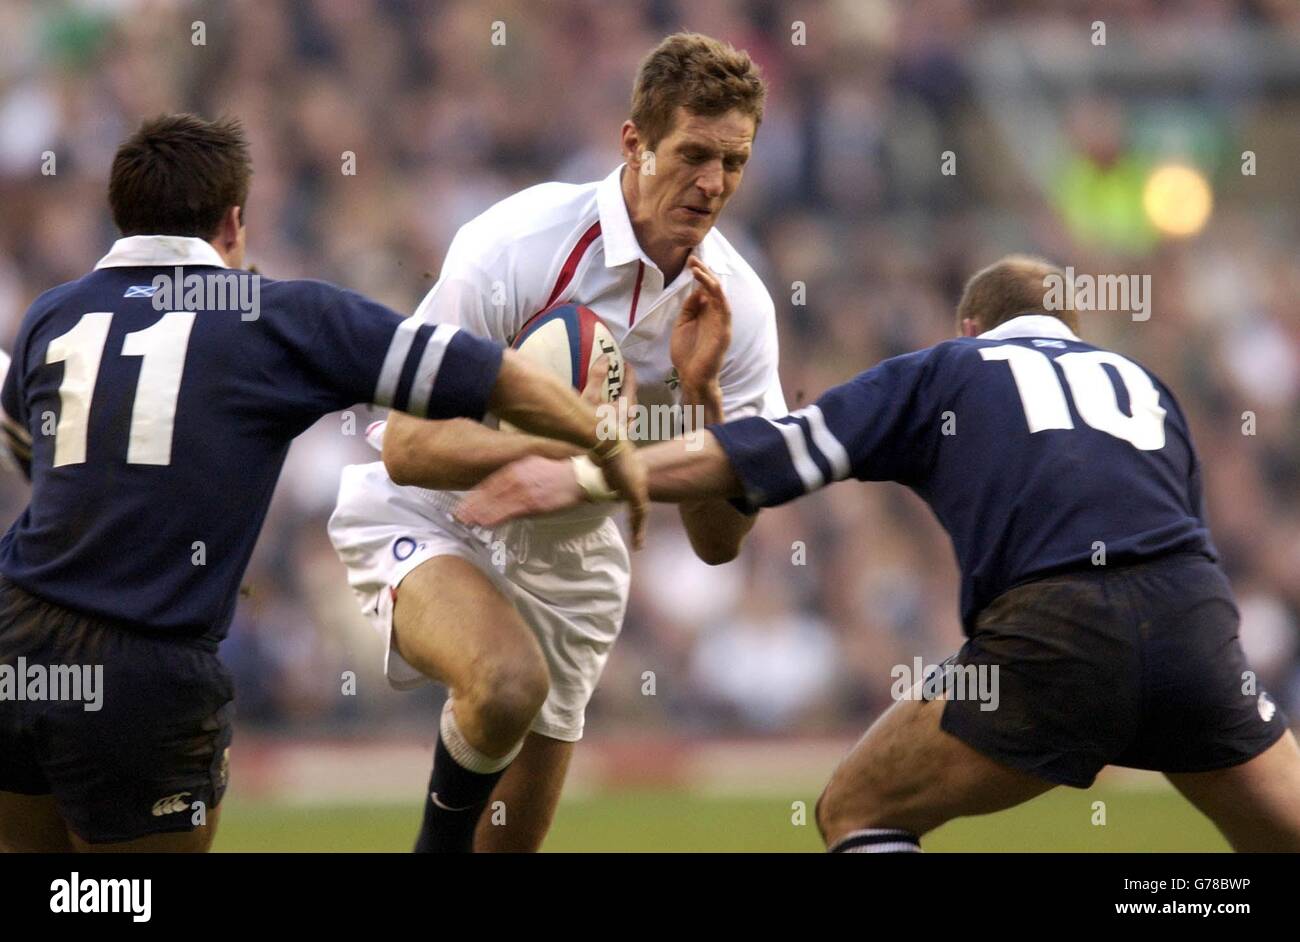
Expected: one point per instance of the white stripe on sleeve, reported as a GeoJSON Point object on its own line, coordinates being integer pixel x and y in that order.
{"type": "Point", "coordinates": [391, 373]}
{"type": "Point", "coordinates": [804, 466]}
{"type": "Point", "coordinates": [826, 441]}
{"type": "Point", "coordinates": [426, 374]}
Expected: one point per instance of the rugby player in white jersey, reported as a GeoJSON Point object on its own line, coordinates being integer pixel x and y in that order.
{"type": "Point", "coordinates": [518, 623]}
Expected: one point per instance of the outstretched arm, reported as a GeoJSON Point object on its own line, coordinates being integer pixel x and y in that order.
{"type": "Point", "coordinates": [456, 454]}
{"type": "Point", "coordinates": [537, 402]}
{"type": "Point", "coordinates": [676, 471]}
{"type": "Point", "coordinates": [875, 427]}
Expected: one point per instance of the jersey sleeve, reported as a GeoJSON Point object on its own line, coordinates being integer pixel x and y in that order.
{"type": "Point", "coordinates": [468, 296]}
{"type": "Point", "coordinates": [875, 427]}
{"type": "Point", "coordinates": [750, 378]}
{"type": "Point", "coordinates": [13, 418]}
{"type": "Point", "coordinates": [372, 354]}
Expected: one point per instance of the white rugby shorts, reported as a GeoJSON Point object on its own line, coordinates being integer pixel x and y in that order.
{"type": "Point", "coordinates": [567, 575]}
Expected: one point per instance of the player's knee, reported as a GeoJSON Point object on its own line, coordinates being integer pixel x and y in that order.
{"type": "Point", "coordinates": [833, 812]}
{"type": "Point", "coordinates": [507, 694]}
{"type": "Point", "coordinates": [847, 806]}
{"type": "Point", "coordinates": [821, 813]}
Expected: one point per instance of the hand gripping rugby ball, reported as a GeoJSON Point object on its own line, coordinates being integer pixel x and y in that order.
{"type": "Point", "coordinates": [566, 340]}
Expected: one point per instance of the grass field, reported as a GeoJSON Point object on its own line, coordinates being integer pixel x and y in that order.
{"type": "Point", "coordinates": [1137, 819]}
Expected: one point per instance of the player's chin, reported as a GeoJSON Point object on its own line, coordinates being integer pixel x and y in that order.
{"type": "Point", "coordinates": [690, 231]}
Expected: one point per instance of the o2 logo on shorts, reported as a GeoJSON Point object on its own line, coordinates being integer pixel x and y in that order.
{"type": "Point", "coordinates": [1267, 708]}
{"type": "Point", "coordinates": [403, 547]}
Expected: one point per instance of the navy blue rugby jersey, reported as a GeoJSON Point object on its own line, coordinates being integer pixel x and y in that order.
{"type": "Point", "coordinates": [1039, 453]}
{"type": "Point", "coordinates": [157, 431]}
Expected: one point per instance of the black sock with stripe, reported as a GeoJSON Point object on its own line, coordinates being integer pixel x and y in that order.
{"type": "Point", "coordinates": [453, 804]}
{"type": "Point", "coordinates": [459, 789]}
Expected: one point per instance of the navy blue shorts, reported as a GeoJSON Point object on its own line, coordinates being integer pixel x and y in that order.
{"type": "Point", "coordinates": [1137, 666]}
{"type": "Point", "coordinates": [127, 731]}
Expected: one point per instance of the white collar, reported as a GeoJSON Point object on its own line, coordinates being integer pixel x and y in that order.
{"type": "Point", "coordinates": [1030, 325]}
{"type": "Point", "coordinates": [619, 240]}
{"type": "Point", "coordinates": [157, 251]}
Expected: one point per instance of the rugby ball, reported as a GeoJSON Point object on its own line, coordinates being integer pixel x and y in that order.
{"type": "Point", "coordinates": [566, 340]}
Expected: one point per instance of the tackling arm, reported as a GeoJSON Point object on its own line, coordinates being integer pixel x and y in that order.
{"type": "Point", "coordinates": [535, 401]}
{"type": "Point", "coordinates": [874, 427]}
{"type": "Point", "coordinates": [677, 471]}
{"type": "Point", "coordinates": [456, 454]}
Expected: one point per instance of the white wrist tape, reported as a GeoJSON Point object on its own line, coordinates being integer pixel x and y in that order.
{"type": "Point", "coordinates": [592, 480]}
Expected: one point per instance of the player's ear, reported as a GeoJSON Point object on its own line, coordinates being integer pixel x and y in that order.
{"type": "Point", "coordinates": [969, 328]}
{"type": "Point", "coordinates": [631, 145]}
{"type": "Point", "coordinates": [228, 228]}
{"type": "Point", "coordinates": [229, 239]}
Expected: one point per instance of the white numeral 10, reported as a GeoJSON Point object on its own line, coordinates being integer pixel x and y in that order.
{"type": "Point", "coordinates": [1043, 398]}
{"type": "Point", "coordinates": [161, 346]}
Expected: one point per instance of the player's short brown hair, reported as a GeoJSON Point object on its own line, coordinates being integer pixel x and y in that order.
{"type": "Point", "coordinates": [178, 175]}
{"type": "Point", "coordinates": [694, 71]}
{"type": "Point", "coordinates": [1015, 284]}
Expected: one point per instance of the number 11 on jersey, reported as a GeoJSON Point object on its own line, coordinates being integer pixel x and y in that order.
{"type": "Point", "coordinates": [161, 347]}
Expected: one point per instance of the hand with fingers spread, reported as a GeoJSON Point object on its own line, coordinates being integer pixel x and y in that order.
{"type": "Point", "coordinates": [702, 332]}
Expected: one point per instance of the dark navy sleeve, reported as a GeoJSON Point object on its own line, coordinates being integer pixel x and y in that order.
{"type": "Point", "coordinates": [13, 422]}
{"type": "Point", "coordinates": [375, 355]}
{"type": "Point", "coordinates": [876, 427]}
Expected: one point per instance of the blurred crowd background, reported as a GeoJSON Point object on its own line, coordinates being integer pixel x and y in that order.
{"type": "Point", "coordinates": [1054, 140]}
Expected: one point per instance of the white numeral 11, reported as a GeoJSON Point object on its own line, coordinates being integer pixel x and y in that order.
{"type": "Point", "coordinates": [161, 346]}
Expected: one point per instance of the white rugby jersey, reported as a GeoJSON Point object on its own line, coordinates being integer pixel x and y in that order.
{"type": "Point", "coordinates": [561, 242]}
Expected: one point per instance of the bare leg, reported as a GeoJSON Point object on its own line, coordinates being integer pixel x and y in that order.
{"type": "Point", "coordinates": [907, 773]}
{"type": "Point", "coordinates": [452, 625]}
{"type": "Point", "coordinates": [1256, 804]}
{"type": "Point", "coordinates": [31, 824]}
{"type": "Point", "coordinates": [529, 792]}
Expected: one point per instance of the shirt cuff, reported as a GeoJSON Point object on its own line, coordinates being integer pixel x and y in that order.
{"type": "Point", "coordinates": [466, 378]}
{"type": "Point", "coordinates": [755, 449]}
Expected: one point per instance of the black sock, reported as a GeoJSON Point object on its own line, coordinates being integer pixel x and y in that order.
{"type": "Point", "coordinates": [877, 841]}
{"type": "Point", "coordinates": [453, 804]}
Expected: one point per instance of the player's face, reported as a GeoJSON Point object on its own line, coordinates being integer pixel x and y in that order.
{"type": "Point", "coordinates": [697, 167]}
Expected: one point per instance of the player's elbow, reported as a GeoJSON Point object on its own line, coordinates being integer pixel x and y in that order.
{"type": "Point", "coordinates": [715, 550]}
{"type": "Point", "coordinates": [717, 557]}
{"type": "Point", "coordinates": [397, 460]}
{"type": "Point", "coordinates": [716, 532]}
{"type": "Point", "coordinates": [428, 454]}
{"type": "Point", "coordinates": [402, 456]}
